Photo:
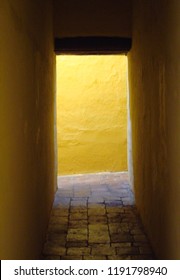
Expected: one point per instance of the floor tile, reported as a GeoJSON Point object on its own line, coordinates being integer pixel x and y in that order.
{"type": "Point", "coordinates": [94, 218]}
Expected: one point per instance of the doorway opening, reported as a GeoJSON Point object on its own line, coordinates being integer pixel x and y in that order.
{"type": "Point", "coordinates": [92, 114]}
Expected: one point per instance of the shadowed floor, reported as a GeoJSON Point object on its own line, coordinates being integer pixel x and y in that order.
{"type": "Point", "coordinates": [94, 218]}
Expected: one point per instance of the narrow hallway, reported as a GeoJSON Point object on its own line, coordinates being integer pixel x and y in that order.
{"type": "Point", "coordinates": [94, 218]}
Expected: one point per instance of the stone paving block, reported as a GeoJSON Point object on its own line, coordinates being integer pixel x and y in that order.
{"type": "Point", "coordinates": [113, 203]}
{"type": "Point", "coordinates": [78, 203]}
{"type": "Point", "coordinates": [96, 205]}
{"type": "Point", "coordinates": [112, 209]}
{"type": "Point", "coordinates": [114, 215]}
{"type": "Point", "coordinates": [113, 200]}
{"type": "Point", "coordinates": [101, 237]}
{"type": "Point", "coordinates": [76, 244]}
{"type": "Point", "coordinates": [95, 199]}
{"type": "Point", "coordinates": [101, 184]}
{"type": "Point", "coordinates": [117, 257]}
{"type": "Point", "coordinates": [77, 235]}
{"type": "Point", "coordinates": [127, 251]}
{"type": "Point", "coordinates": [118, 238]}
{"type": "Point", "coordinates": [77, 216]}
{"type": "Point", "coordinates": [78, 210]}
{"type": "Point", "coordinates": [105, 250]}
{"type": "Point", "coordinates": [98, 228]}
{"type": "Point", "coordinates": [95, 212]}
{"type": "Point", "coordinates": [78, 224]}
{"type": "Point", "coordinates": [98, 193]}
{"type": "Point", "coordinates": [94, 257]}
{"type": "Point", "coordinates": [98, 220]}
{"type": "Point", "coordinates": [121, 245]}
{"type": "Point", "coordinates": [74, 231]}
{"type": "Point", "coordinates": [116, 219]}
{"type": "Point", "coordinates": [74, 251]}
{"type": "Point", "coordinates": [113, 197]}
{"type": "Point", "coordinates": [98, 189]}
{"type": "Point", "coordinates": [118, 227]}
{"type": "Point", "coordinates": [71, 257]}
{"type": "Point", "coordinates": [84, 193]}
{"type": "Point", "coordinates": [79, 199]}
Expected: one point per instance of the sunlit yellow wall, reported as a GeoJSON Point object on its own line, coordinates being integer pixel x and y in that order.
{"type": "Point", "coordinates": [91, 114]}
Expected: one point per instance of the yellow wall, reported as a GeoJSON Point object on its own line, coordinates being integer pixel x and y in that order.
{"type": "Point", "coordinates": [91, 114]}
{"type": "Point", "coordinates": [92, 18]}
{"type": "Point", "coordinates": [154, 71]}
{"type": "Point", "coordinates": [27, 173]}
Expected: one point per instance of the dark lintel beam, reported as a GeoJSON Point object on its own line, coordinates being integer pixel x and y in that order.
{"type": "Point", "coordinates": [92, 45]}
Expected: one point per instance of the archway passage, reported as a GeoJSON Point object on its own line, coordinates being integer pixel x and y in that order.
{"type": "Point", "coordinates": [94, 215]}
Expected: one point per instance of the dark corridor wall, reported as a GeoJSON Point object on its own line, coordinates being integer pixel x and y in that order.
{"type": "Point", "coordinates": [154, 74]}
{"type": "Point", "coordinates": [27, 173]}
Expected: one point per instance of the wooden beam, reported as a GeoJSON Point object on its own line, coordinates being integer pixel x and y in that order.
{"type": "Point", "coordinates": [92, 45]}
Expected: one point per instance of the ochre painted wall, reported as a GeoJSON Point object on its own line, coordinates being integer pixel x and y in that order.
{"type": "Point", "coordinates": [27, 175]}
{"type": "Point", "coordinates": [91, 114]}
{"type": "Point", "coordinates": [154, 75]}
{"type": "Point", "coordinates": [92, 18]}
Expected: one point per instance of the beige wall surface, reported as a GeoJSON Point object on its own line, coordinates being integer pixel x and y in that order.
{"type": "Point", "coordinates": [92, 18]}
{"type": "Point", "coordinates": [154, 74]}
{"type": "Point", "coordinates": [27, 126]}
{"type": "Point", "coordinates": [91, 114]}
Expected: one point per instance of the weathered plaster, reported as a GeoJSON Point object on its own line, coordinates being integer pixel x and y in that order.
{"type": "Point", "coordinates": [91, 113]}
{"type": "Point", "coordinates": [27, 174]}
{"type": "Point", "coordinates": [154, 104]}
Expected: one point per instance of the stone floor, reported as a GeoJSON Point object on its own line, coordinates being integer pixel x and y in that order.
{"type": "Point", "coordinates": [94, 218]}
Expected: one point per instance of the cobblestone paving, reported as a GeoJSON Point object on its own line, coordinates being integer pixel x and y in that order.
{"type": "Point", "coordinates": [94, 218]}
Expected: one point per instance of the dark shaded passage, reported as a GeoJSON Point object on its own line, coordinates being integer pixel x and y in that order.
{"type": "Point", "coordinates": [94, 217]}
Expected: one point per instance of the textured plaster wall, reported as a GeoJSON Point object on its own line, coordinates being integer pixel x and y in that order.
{"type": "Point", "coordinates": [91, 114]}
{"type": "Point", "coordinates": [92, 18]}
{"type": "Point", "coordinates": [154, 74]}
{"type": "Point", "coordinates": [26, 126]}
